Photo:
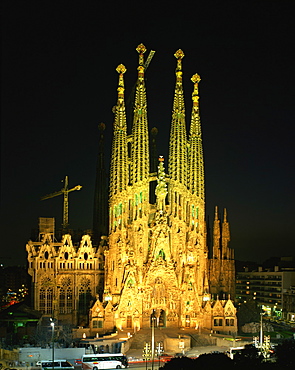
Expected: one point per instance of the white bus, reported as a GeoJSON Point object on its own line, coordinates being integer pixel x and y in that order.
{"type": "Point", "coordinates": [235, 350]}
{"type": "Point", "coordinates": [104, 361]}
{"type": "Point", "coordinates": [56, 365]}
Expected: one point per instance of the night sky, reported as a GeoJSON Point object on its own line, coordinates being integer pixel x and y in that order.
{"type": "Point", "coordinates": [59, 82]}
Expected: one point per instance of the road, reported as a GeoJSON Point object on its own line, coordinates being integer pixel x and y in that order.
{"type": "Point", "coordinates": [147, 366]}
{"type": "Point", "coordinates": [138, 366]}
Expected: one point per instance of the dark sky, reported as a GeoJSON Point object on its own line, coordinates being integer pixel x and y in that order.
{"type": "Point", "coordinates": [59, 82]}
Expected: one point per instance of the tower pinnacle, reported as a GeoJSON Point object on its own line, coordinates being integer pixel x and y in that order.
{"type": "Point", "coordinates": [196, 160]}
{"type": "Point", "coordinates": [119, 164]}
{"type": "Point", "coordinates": [195, 79]}
{"type": "Point", "coordinates": [121, 69]}
{"type": "Point", "coordinates": [178, 138]}
{"type": "Point", "coordinates": [179, 55]}
{"type": "Point", "coordinates": [141, 49]}
{"type": "Point", "coordinates": [140, 141]}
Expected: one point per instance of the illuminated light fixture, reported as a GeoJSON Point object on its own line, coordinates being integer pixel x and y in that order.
{"type": "Point", "coordinates": [84, 336]}
{"type": "Point", "coordinates": [108, 297]}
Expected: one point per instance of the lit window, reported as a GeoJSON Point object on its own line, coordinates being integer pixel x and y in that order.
{"type": "Point", "coordinates": [97, 324]}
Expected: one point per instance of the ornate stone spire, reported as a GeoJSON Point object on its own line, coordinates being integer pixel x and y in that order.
{"type": "Point", "coordinates": [140, 140]}
{"type": "Point", "coordinates": [196, 160]}
{"type": "Point", "coordinates": [216, 236]}
{"type": "Point", "coordinates": [226, 252]}
{"type": "Point", "coordinates": [119, 162]}
{"type": "Point", "coordinates": [178, 139]}
{"type": "Point", "coordinates": [161, 188]}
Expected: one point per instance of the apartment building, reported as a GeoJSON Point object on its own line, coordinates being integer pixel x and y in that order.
{"type": "Point", "coordinates": [270, 287]}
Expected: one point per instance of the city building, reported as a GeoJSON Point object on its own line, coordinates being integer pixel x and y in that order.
{"type": "Point", "coordinates": [271, 288]}
{"type": "Point", "coordinates": [289, 304]}
{"type": "Point", "coordinates": [15, 282]}
{"type": "Point", "coordinates": [18, 322]}
{"type": "Point", "coordinates": [158, 269]}
{"type": "Point", "coordinates": [66, 277]}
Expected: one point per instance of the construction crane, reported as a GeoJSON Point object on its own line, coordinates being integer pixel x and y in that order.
{"type": "Point", "coordinates": [65, 191]}
{"type": "Point", "coordinates": [149, 58]}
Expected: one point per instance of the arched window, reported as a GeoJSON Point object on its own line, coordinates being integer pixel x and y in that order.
{"type": "Point", "coordinates": [161, 254]}
{"type": "Point", "coordinates": [84, 296]}
{"type": "Point", "coordinates": [62, 300]}
{"type": "Point", "coordinates": [45, 300]}
{"type": "Point", "coordinates": [130, 283]}
{"type": "Point", "coordinates": [65, 296]}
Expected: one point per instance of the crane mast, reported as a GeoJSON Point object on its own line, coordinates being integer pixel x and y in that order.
{"type": "Point", "coordinates": [65, 191]}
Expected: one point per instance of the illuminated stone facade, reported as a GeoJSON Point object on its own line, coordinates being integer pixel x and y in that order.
{"type": "Point", "coordinates": [156, 259]}
{"type": "Point", "coordinates": [65, 278]}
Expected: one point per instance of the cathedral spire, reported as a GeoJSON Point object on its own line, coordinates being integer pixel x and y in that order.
{"type": "Point", "coordinates": [226, 252]}
{"type": "Point", "coordinates": [216, 236]}
{"type": "Point", "coordinates": [178, 139]}
{"type": "Point", "coordinates": [140, 141]}
{"type": "Point", "coordinates": [119, 163]}
{"type": "Point", "coordinates": [196, 161]}
{"type": "Point", "coordinates": [161, 188]}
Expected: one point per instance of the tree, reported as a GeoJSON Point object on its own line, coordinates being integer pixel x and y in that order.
{"type": "Point", "coordinates": [285, 353]}
{"type": "Point", "coordinates": [248, 312]}
{"type": "Point", "coordinates": [42, 337]}
{"type": "Point", "coordinates": [214, 361]}
{"type": "Point", "coordinates": [206, 361]}
{"type": "Point", "coordinates": [248, 357]}
{"type": "Point", "coordinates": [179, 363]}
{"type": "Point", "coordinates": [65, 336]}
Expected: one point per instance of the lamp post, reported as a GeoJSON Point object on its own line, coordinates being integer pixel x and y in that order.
{"type": "Point", "coordinates": [159, 352]}
{"type": "Point", "coordinates": [146, 353]}
{"type": "Point", "coordinates": [52, 338]}
{"type": "Point", "coordinates": [153, 340]}
{"type": "Point", "coordinates": [261, 331]}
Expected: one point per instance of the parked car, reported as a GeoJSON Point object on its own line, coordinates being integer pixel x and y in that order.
{"type": "Point", "coordinates": [164, 357]}
{"type": "Point", "coordinates": [178, 354]}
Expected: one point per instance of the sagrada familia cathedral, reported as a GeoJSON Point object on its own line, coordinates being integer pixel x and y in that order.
{"type": "Point", "coordinates": [153, 264]}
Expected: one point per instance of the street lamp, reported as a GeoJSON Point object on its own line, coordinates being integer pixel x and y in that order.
{"type": "Point", "coordinates": [52, 338]}
{"type": "Point", "coordinates": [146, 353]}
{"type": "Point", "coordinates": [153, 340]}
{"type": "Point", "coordinates": [159, 351]}
{"type": "Point", "coordinates": [261, 330]}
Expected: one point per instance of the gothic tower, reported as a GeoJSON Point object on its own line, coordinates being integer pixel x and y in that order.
{"type": "Point", "coordinates": [221, 264]}
{"type": "Point", "coordinates": [154, 264]}
{"type": "Point", "coordinates": [157, 264]}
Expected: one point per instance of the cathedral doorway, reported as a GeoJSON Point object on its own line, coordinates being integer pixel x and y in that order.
{"type": "Point", "coordinates": [187, 321]}
{"type": "Point", "coordinates": [162, 319]}
{"type": "Point", "coordinates": [158, 319]}
{"type": "Point", "coordinates": [129, 322]}
{"type": "Point", "coordinates": [153, 319]}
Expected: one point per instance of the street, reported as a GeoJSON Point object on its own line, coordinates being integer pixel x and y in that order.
{"type": "Point", "coordinates": [147, 366]}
